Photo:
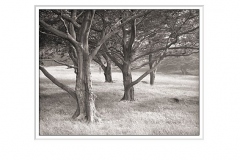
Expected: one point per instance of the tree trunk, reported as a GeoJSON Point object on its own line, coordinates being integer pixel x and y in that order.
{"type": "Point", "coordinates": [152, 77]}
{"type": "Point", "coordinates": [85, 97]}
{"type": "Point", "coordinates": [127, 80]}
{"type": "Point", "coordinates": [153, 73]}
{"type": "Point", "coordinates": [79, 88]}
{"type": "Point", "coordinates": [89, 98]}
{"type": "Point", "coordinates": [108, 73]}
{"type": "Point", "coordinates": [108, 69]}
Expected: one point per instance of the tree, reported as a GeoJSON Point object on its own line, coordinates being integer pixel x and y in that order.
{"type": "Point", "coordinates": [157, 35]}
{"type": "Point", "coordinates": [78, 25]}
{"type": "Point", "coordinates": [176, 21]}
{"type": "Point", "coordinates": [105, 63]}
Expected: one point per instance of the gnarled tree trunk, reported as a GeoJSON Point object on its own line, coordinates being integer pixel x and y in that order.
{"type": "Point", "coordinates": [85, 97]}
{"type": "Point", "coordinates": [127, 80]}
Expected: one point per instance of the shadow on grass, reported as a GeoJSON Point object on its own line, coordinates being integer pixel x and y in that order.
{"type": "Point", "coordinates": [45, 81]}
{"type": "Point", "coordinates": [166, 103]}
{"type": "Point", "coordinates": [70, 82]}
{"type": "Point", "coordinates": [56, 105]}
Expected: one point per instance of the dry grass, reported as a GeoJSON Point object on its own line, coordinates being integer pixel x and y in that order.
{"type": "Point", "coordinates": [153, 113]}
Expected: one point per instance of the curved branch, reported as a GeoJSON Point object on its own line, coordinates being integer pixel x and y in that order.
{"type": "Point", "coordinates": [79, 15]}
{"type": "Point", "coordinates": [118, 54]}
{"type": "Point", "coordinates": [48, 33]}
{"type": "Point", "coordinates": [73, 21]}
{"type": "Point", "coordinates": [59, 84]}
{"type": "Point", "coordinates": [144, 64]}
{"type": "Point", "coordinates": [188, 31]}
{"type": "Point", "coordinates": [169, 45]}
{"type": "Point", "coordinates": [184, 47]}
{"type": "Point", "coordinates": [85, 29]}
{"type": "Point", "coordinates": [145, 74]}
{"type": "Point", "coordinates": [114, 31]}
{"type": "Point", "coordinates": [57, 32]}
{"type": "Point", "coordinates": [65, 25]}
{"type": "Point", "coordinates": [179, 55]}
{"type": "Point", "coordinates": [148, 53]}
{"type": "Point", "coordinates": [98, 60]}
{"type": "Point", "coordinates": [114, 60]}
{"type": "Point", "coordinates": [65, 64]}
{"type": "Point", "coordinates": [68, 18]}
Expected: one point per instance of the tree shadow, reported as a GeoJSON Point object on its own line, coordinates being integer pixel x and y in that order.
{"type": "Point", "coordinates": [45, 81]}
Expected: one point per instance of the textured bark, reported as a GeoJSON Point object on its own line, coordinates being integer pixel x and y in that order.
{"type": "Point", "coordinates": [85, 97]}
{"type": "Point", "coordinates": [89, 98]}
{"type": "Point", "coordinates": [127, 80]}
{"type": "Point", "coordinates": [128, 94]}
{"type": "Point", "coordinates": [128, 53]}
{"type": "Point", "coordinates": [153, 73]}
{"type": "Point", "coordinates": [79, 88]}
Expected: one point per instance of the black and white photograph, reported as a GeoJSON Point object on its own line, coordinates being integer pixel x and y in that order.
{"type": "Point", "coordinates": [119, 72]}
{"type": "Point", "coordinates": [119, 80]}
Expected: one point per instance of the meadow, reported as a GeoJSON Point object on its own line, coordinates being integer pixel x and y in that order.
{"type": "Point", "coordinates": [154, 111]}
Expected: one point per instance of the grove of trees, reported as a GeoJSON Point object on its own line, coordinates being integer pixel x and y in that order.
{"type": "Point", "coordinates": [130, 39]}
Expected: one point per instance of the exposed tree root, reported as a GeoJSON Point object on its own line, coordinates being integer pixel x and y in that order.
{"type": "Point", "coordinates": [76, 114]}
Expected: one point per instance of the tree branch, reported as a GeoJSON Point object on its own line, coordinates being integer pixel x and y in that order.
{"type": "Point", "coordinates": [73, 55]}
{"type": "Point", "coordinates": [73, 21]}
{"type": "Point", "coordinates": [179, 55]}
{"type": "Point", "coordinates": [148, 53]}
{"type": "Point", "coordinates": [98, 60]}
{"type": "Point", "coordinates": [70, 66]}
{"type": "Point", "coordinates": [79, 15]}
{"type": "Point", "coordinates": [184, 47]}
{"type": "Point", "coordinates": [113, 58]}
{"type": "Point", "coordinates": [119, 56]}
{"type": "Point", "coordinates": [58, 33]}
{"type": "Point", "coordinates": [144, 17]}
{"type": "Point", "coordinates": [188, 31]}
{"type": "Point", "coordinates": [169, 45]}
{"type": "Point", "coordinates": [133, 34]}
{"type": "Point", "coordinates": [64, 23]}
{"type": "Point", "coordinates": [111, 33]}
{"type": "Point", "coordinates": [48, 33]}
{"type": "Point", "coordinates": [145, 74]}
{"type": "Point", "coordinates": [68, 18]}
{"type": "Point", "coordinates": [59, 84]}
{"type": "Point", "coordinates": [146, 63]}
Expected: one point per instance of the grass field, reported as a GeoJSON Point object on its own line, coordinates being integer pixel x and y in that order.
{"type": "Point", "coordinates": [154, 112]}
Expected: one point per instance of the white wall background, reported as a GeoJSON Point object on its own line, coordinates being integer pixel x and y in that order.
{"type": "Point", "coordinates": [221, 85]}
